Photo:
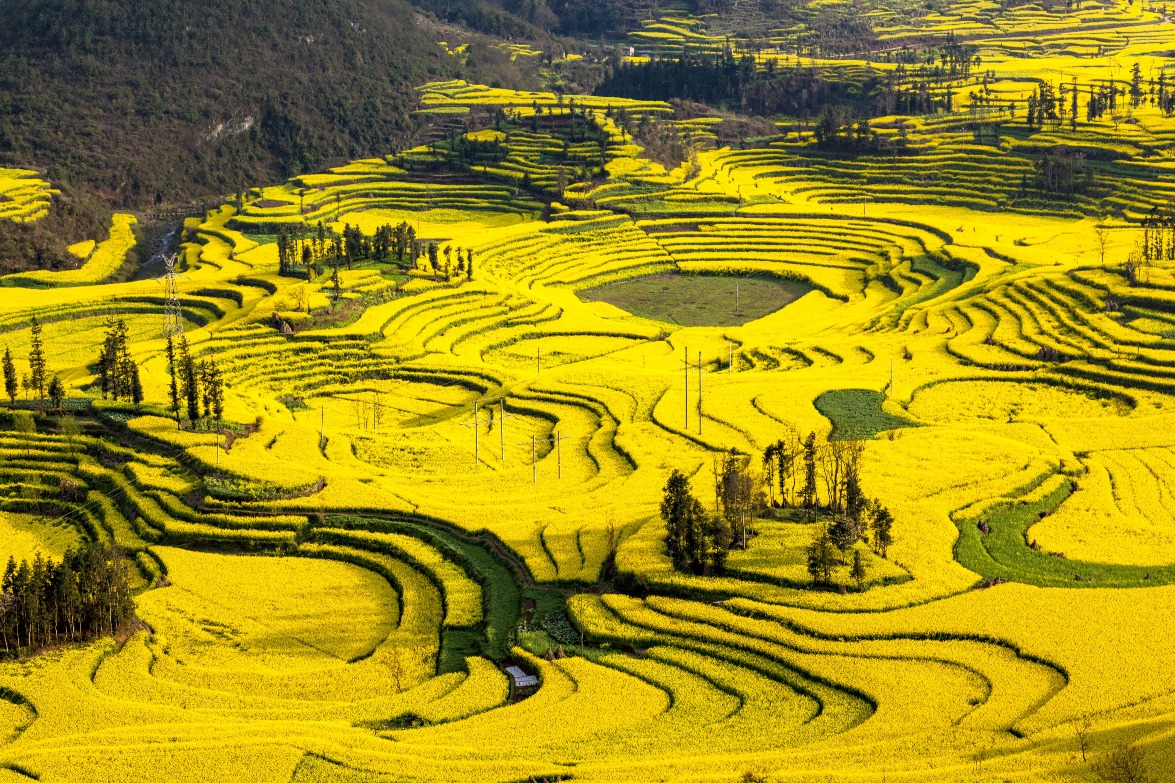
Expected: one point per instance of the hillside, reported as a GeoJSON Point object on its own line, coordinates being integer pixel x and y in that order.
{"type": "Point", "coordinates": [169, 101]}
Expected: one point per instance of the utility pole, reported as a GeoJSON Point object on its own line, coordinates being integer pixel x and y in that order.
{"type": "Point", "coordinates": [321, 425]}
{"type": "Point", "coordinates": [502, 427]}
{"type": "Point", "coordinates": [891, 377]}
{"type": "Point", "coordinates": [476, 424]}
{"type": "Point", "coordinates": [699, 392]}
{"type": "Point", "coordinates": [534, 463]}
{"type": "Point", "coordinates": [698, 365]}
{"type": "Point", "coordinates": [538, 360]}
{"type": "Point", "coordinates": [559, 451]}
{"type": "Point", "coordinates": [476, 436]}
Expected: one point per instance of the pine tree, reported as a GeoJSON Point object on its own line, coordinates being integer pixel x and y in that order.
{"type": "Point", "coordinates": [858, 572]}
{"type": "Point", "coordinates": [136, 386]}
{"type": "Point", "coordinates": [720, 536]}
{"type": "Point", "coordinates": [217, 393]}
{"type": "Point", "coordinates": [37, 364]}
{"type": "Point", "coordinates": [205, 373]}
{"type": "Point", "coordinates": [855, 501]}
{"type": "Point", "coordinates": [697, 543]}
{"type": "Point", "coordinates": [808, 493]}
{"type": "Point", "coordinates": [191, 381]}
{"type": "Point", "coordinates": [882, 525]}
{"type": "Point", "coordinates": [842, 534]}
{"type": "Point", "coordinates": [173, 370]}
{"type": "Point", "coordinates": [674, 512]}
{"type": "Point", "coordinates": [56, 393]}
{"type": "Point", "coordinates": [10, 385]}
{"type": "Point", "coordinates": [821, 557]}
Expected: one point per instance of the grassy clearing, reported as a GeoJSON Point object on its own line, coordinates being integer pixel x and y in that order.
{"type": "Point", "coordinates": [858, 414]}
{"type": "Point", "coordinates": [699, 300]}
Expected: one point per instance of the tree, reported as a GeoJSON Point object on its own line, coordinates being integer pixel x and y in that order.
{"type": "Point", "coordinates": [808, 493]}
{"type": "Point", "coordinates": [1101, 236]}
{"type": "Point", "coordinates": [842, 534]}
{"type": "Point", "coordinates": [821, 557]}
{"type": "Point", "coordinates": [86, 594]}
{"type": "Point", "coordinates": [37, 364]}
{"type": "Point", "coordinates": [205, 387]}
{"type": "Point", "coordinates": [136, 387]}
{"type": "Point", "coordinates": [173, 371]}
{"type": "Point", "coordinates": [56, 393]}
{"type": "Point", "coordinates": [738, 492]}
{"type": "Point", "coordinates": [719, 536]}
{"type": "Point", "coordinates": [882, 526]}
{"type": "Point", "coordinates": [1124, 764]}
{"type": "Point", "coordinates": [858, 572]}
{"type": "Point", "coordinates": [1082, 732]}
{"type": "Point", "coordinates": [855, 503]}
{"type": "Point", "coordinates": [191, 380]}
{"type": "Point", "coordinates": [69, 427]}
{"type": "Point", "coordinates": [698, 542]}
{"type": "Point", "coordinates": [674, 512]}
{"type": "Point", "coordinates": [22, 422]}
{"type": "Point", "coordinates": [10, 385]}
{"type": "Point", "coordinates": [469, 263]}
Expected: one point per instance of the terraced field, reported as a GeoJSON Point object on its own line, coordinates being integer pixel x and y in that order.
{"type": "Point", "coordinates": [425, 474]}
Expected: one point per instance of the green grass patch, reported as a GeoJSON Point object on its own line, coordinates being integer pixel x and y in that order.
{"type": "Point", "coordinates": [1005, 553]}
{"type": "Point", "coordinates": [699, 300]}
{"type": "Point", "coordinates": [856, 414]}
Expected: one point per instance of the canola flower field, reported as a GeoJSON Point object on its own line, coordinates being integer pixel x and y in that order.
{"type": "Point", "coordinates": [330, 584]}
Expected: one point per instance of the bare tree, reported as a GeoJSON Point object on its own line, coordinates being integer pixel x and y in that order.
{"type": "Point", "coordinates": [1082, 732]}
{"type": "Point", "coordinates": [1101, 236]}
{"type": "Point", "coordinates": [1124, 764]}
{"type": "Point", "coordinates": [831, 460]}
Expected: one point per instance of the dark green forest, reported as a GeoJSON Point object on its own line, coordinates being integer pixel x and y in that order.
{"type": "Point", "coordinates": [169, 100]}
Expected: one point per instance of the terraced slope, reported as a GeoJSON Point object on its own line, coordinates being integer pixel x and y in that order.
{"type": "Point", "coordinates": [423, 477]}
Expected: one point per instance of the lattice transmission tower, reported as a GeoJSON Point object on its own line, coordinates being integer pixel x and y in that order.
{"type": "Point", "coordinates": [173, 313]}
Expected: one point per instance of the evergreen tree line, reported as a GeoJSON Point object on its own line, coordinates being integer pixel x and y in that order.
{"type": "Point", "coordinates": [461, 264]}
{"type": "Point", "coordinates": [36, 380]}
{"type": "Point", "coordinates": [85, 595]}
{"type": "Point", "coordinates": [118, 374]}
{"type": "Point", "coordinates": [192, 383]}
{"type": "Point", "coordinates": [1054, 106]}
{"type": "Point", "coordinates": [302, 253]}
{"type": "Point", "coordinates": [736, 83]}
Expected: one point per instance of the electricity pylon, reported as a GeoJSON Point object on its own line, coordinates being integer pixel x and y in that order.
{"type": "Point", "coordinates": [173, 313]}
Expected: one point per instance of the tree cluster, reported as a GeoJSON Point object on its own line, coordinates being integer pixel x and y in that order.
{"type": "Point", "coordinates": [796, 470]}
{"type": "Point", "coordinates": [36, 380]}
{"type": "Point", "coordinates": [698, 542]}
{"type": "Point", "coordinates": [736, 83]}
{"type": "Point", "coordinates": [456, 261]}
{"type": "Point", "coordinates": [118, 374]}
{"type": "Point", "coordinates": [1060, 171]}
{"type": "Point", "coordinates": [87, 594]}
{"type": "Point", "coordinates": [193, 383]}
{"type": "Point", "coordinates": [738, 494]}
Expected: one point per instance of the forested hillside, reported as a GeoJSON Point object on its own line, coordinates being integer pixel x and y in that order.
{"type": "Point", "coordinates": [169, 100]}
